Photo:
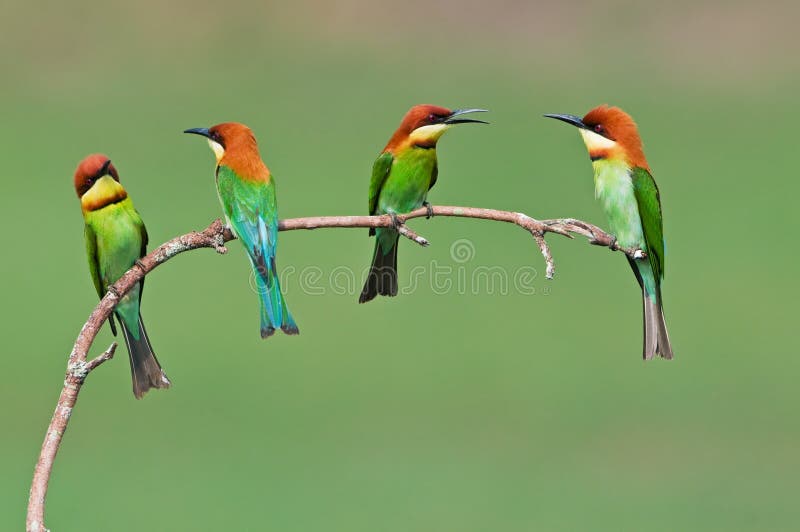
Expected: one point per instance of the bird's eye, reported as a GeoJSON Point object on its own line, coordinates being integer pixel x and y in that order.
{"type": "Point", "coordinates": [599, 129]}
{"type": "Point", "coordinates": [432, 117]}
{"type": "Point", "coordinates": [88, 180]}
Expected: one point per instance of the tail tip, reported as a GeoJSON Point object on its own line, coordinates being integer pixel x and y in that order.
{"type": "Point", "coordinates": [290, 329]}
{"type": "Point", "coordinates": [662, 355]}
{"type": "Point", "coordinates": [160, 381]}
{"type": "Point", "coordinates": [366, 297]}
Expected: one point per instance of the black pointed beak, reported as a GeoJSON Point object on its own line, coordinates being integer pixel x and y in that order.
{"type": "Point", "coordinates": [202, 131]}
{"type": "Point", "coordinates": [570, 119]}
{"type": "Point", "coordinates": [104, 169]}
{"type": "Point", "coordinates": [453, 120]}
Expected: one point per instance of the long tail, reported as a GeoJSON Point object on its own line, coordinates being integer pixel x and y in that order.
{"type": "Point", "coordinates": [274, 312]}
{"type": "Point", "coordinates": [382, 278]}
{"type": "Point", "coordinates": [656, 338]}
{"type": "Point", "coordinates": [146, 372]}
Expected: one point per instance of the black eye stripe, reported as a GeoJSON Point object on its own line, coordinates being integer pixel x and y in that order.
{"type": "Point", "coordinates": [434, 118]}
{"type": "Point", "coordinates": [600, 130]}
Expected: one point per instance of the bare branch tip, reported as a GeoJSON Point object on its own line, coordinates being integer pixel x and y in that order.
{"type": "Point", "coordinates": [411, 235]}
{"type": "Point", "coordinates": [105, 356]}
{"type": "Point", "coordinates": [109, 353]}
{"type": "Point", "coordinates": [219, 245]}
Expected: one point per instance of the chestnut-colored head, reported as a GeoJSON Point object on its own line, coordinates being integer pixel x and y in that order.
{"type": "Point", "coordinates": [609, 133]}
{"type": "Point", "coordinates": [97, 183]}
{"type": "Point", "coordinates": [90, 170]}
{"type": "Point", "coordinates": [423, 125]}
{"type": "Point", "coordinates": [424, 115]}
{"type": "Point", "coordinates": [235, 146]}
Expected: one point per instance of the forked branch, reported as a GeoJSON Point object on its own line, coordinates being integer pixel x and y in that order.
{"type": "Point", "coordinates": [214, 237]}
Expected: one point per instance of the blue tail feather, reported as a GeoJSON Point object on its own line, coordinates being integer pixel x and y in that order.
{"type": "Point", "coordinates": [274, 312]}
{"type": "Point", "coordinates": [259, 240]}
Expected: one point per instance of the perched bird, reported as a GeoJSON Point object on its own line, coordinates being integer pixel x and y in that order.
{"type": "Point", "coordinates": [401, 177]}
{"type": "Point", "coordinates": [247, 193]}
{"type": "Point", "coordinates": [115, 240]}
{"type": "Point", "coordinates": [629, 196]}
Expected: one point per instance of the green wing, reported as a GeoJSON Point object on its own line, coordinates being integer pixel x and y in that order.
{"type": "Point", "coordinates": [434, 175]}
{"type": "Point", "coordinates": [143, 235]}
{"type": "Point", "coordinates": [91, 255]}
{"type": "Point", "coordinates": [94, 268]}
{"type": "Point", "coordinates": [252, 209]}
{"type": "Point", "coordinates": [380, 171]}
{"type": "Point", "coordinates": [143, 250]}
{"type": "Point", "coordinates": [649, 202]}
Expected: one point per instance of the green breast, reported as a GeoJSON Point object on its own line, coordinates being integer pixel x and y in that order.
{"type": "Point", "coordinates": [245, 200]}
{"type": "Point", "coordinates": [409, 180]}
{"type": "Point", "coordinates": [118, 232]}
{"type": "Point", "coordinates": [614, 189]}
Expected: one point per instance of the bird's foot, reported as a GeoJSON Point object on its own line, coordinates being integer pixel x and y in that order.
{"type": "Point", "coordinates": [141, 265]}
{"type": "Point", "coordinates": [396, 223]}
{"type": "Point", "coordinates": [113, 291]}
{"type": "Point", "coordinates": [429, 208]}
{"type": "Point", "coordinates": [613, 246]}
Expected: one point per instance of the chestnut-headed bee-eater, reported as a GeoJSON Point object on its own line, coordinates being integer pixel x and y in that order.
{"type": "Point", "coordinates": [115, 240]}
{"type": "Point", "coordinates": [247, 192]}
{"type": "Point", "coordinates": [401, 177]}
{"type": "Point", "coordinates": [630, 198]}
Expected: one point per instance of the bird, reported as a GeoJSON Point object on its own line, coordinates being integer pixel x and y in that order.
{"type": "Point", "coordinates": [115, 240]}
{"type": "Point", "coordinates": [629, 195]}
{"type": "Point", "coordinates": [402, 175]}
{"type": "Point", "coordinates": [246, 191]}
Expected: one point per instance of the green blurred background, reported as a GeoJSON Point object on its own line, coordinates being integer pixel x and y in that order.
{"type": "Point", "coordinates": [466, 411]}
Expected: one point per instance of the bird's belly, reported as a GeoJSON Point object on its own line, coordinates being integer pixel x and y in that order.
{"type": "Point", "coordinates": [405, 189]}
{"type": "Point", "coordinates": [119, 244]}
{"type": "Point", "coordinates": [614, 189]}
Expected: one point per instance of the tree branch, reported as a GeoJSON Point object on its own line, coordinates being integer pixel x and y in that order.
{"type": "Point", "coordinates": [537, 228]}
{"type": "Point", "coordinates": [214, 237]}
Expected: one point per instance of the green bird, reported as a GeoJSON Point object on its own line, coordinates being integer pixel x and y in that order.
{"type": "Point", "coordinates": [115, 240]}
{"type": "Point", "coordinates": [630, 198]}
{"type": "Point", "coordinates": [247, 192]}
{"type": "Point", "coordinates": [401, 177]}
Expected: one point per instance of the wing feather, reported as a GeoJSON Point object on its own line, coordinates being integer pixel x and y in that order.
{"type": "Point", "coordinates": [380, 171]}
{"type": "Point", "coordinates": [649, 202]}
{"type": "Point", "coordinates": [94, 268]}
{"type": "Point", "coordinates": [251, 209]}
